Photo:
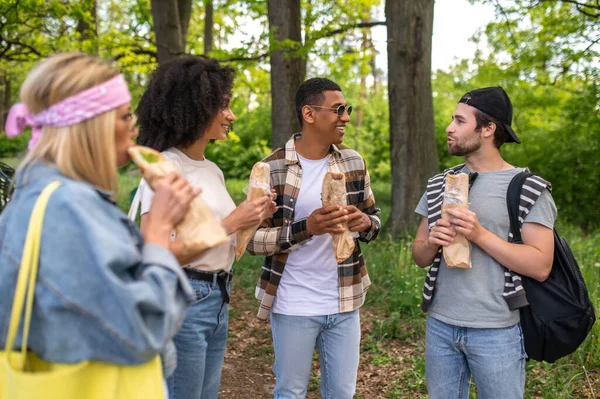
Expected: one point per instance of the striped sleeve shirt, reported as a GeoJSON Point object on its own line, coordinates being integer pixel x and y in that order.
{"type": "Point", "coordinates": [282, 233]}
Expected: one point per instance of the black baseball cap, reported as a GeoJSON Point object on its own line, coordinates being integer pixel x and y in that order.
{"type": "Point", "coordinates": [495, 102]}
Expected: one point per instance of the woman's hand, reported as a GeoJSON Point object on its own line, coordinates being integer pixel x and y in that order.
{"type": "Point", "coordinates": [249, 214]}
{"type": "Point", "coordinates": [172, 198]}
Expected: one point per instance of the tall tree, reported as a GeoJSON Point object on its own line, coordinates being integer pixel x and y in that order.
{"type": "Point", "coordinates": [412, 136]}
{"type": "Point", "coordinates": [87, 26]}
{"type": "Point", "coordinates": [288, 67]}
{"type": "Point", "coordinates": [171, 22]}
{"type": "Point", "coordinates": [208, 26]}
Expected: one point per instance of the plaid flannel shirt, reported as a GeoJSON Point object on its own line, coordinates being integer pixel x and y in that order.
{"type": "Point", "coordinates": [281, 233]}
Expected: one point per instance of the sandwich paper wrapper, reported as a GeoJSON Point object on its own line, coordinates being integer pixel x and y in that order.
{"type": "Point", "coordinates": [334, 193]}
{"type": "Point", "coordinates": [456, 195]}
{"type": "Point", "coordinates": [258, 186]}
{"type": "Point", "coordinates": [199, 229]}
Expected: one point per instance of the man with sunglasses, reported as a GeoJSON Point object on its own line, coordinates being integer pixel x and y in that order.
{"type": "Point", "coordinates": [311, 298]}
{"type": "Point", "coordinates": [472, 326]}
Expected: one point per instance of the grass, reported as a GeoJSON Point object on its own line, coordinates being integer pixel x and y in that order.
{"type": "Point", "coordinates": [12, 162]}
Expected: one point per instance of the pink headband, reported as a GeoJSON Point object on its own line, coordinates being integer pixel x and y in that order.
{"type": "Point", "coordinates": [72, 110]}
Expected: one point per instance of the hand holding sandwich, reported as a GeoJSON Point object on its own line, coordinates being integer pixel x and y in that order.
{"type": "Point", "coordinates": [173, 196]}
{"type": "Point", "coordinates": [326, 220]}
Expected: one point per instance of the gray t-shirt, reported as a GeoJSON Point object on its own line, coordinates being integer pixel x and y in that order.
{"type": "Point", "coordinates": [473, 297]}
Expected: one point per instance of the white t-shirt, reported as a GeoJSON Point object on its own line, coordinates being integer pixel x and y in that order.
{"type": "Point", "coordinates": [206, 175]}
{"type": "Point", "coordinates": [309, 284]}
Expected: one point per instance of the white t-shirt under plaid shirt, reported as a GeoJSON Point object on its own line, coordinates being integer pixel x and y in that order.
{"type": "Point", "coordinates": [309, 284]}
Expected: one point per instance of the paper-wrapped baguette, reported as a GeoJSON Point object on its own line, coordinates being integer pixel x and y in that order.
{"type": "Point", "coordinates": [199, 229]}
{"type": "Point", "coordinates": [334, 193]}
{"type": "Point", "coordinates": [456, 195]}
{"type": "Point", "coordinates": [259, 185]}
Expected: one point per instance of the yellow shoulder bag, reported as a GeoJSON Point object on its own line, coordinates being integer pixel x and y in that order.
{"type": "Point", "coordinates": [23, 375]}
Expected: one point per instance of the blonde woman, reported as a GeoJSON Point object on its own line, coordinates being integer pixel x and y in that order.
{"type": "Point", "coordinates": [104, 291]}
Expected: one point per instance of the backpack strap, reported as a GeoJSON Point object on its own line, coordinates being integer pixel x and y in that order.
{"type": "Point", "coordinates": [523, 191]}
{"type": "Point", "coordinates": [513, 197]}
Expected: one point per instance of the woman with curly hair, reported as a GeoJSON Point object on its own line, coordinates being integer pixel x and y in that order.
{"type": "Point", "coordinates": [185, 106]}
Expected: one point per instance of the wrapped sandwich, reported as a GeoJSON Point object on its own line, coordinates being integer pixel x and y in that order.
{"type": "Point", "coordinates": [456, 195]}
{"type": "Point", "coordinates": [334, 193]}
{"type": "Point", "coordinates": [259, 185]}
{"type": "Point", "coordinates": [199, 229]}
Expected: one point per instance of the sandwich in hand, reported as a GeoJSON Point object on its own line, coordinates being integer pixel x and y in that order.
{"type": "Point", "coordinates": [334, 193]}
{"type": "Point", "coordinates": [259, 185]}
{"type": "Point", "coordinates": [199, 229]}
{"type": "Point", "coordinates": [456, 195]}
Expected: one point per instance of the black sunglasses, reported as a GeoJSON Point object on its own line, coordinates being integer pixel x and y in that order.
{"type": "Point", "coordinates": [339, 110]}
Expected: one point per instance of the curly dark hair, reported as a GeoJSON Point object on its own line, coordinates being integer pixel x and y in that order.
{"type": "Point", "coordinates": [311, 92]}
{"type": "Point", "coordinates": [182, 99]}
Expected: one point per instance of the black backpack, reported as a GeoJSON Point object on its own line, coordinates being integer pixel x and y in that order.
{"type": "Point", "coordinates": [560, 314]}
{"type": "Point", "coordinates": [6, 185]}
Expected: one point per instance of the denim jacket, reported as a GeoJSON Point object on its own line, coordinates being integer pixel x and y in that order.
{"type": "Point", "coordinates": [101, 294]}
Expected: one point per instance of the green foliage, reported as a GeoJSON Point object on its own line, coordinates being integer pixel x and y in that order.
{"type": "Point", "coordinates": [235, 157]}
{"type": "Point", "coordinates": [545, 56]}
{"type": "Point", "coordinates": [13, 146]}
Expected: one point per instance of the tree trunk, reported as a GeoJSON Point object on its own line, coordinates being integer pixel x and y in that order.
{"type": "Point", "coordinates": [412, 133]}
{"type": "Point", "coordinates": [3, 111]}
{"type": "Point", "coordinates": [86, 30]}
{"type": "Point", "coordinates": [287, 68]}
{"type": "Point", "coordinates": [185, 13]}
{"type": "Point", "coordinates": [171, 21]}
{"type": "Point", "coordinates": [6, 100]}
{"type": "Point", "coordinates": [208, 26]}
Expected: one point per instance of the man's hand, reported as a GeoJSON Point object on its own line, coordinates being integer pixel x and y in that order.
{"type": "Point", "coordinates": [465, 222]}
{"type": "Point", "coordinates": [357, 220]}
{"type": "Point", "coordinates": [442, 233]}
{"type": "Point", "coordinates": [326, 220]}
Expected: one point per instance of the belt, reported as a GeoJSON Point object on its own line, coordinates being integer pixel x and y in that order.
{"type": "Point", "coordinates": [221, 277]}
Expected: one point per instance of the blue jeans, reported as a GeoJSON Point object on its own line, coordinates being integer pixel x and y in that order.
{"type": "Point", "coordinates": [337, 338]}
{"type": "Point", "coordinates": [201, 344]}
{"type": "Point", "coordinates": [494, 356]}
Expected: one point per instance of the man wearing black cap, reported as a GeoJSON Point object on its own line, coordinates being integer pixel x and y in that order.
{"type": "Point", "coordinates": [473, 319]}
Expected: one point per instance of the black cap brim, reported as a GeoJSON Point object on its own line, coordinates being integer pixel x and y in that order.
{"type": "Point", "coordinates": [512, 134]}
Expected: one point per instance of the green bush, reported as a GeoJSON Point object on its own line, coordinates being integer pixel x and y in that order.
{"type": "Point", "coordinates": [10, 147]}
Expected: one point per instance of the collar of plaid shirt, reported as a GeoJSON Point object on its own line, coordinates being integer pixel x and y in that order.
{"type": "Point", "coordinates": [291, 156]}
{"type": "Point", "coordinates": [281, 233]}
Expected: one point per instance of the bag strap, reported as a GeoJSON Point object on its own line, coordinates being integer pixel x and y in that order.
{"type": "Point", "coordinates": [28, 275]}
{"type": "Point", "coordinates": [135, 203]}
{"type": "Point", "coordinates": [513, 197]}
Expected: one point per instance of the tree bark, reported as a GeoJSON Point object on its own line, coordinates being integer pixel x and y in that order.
{"type": "Point", "coordinates": [208, 26]}
{"type": "Point", "coordinates": [7, 98]}
{"type": "Point", "coordinates": [412, 132]}
{"type": "Point", "coordinates": [3, 111]}
{"type": "Point", "coordinates": [171, 21]}
{"type": "Point", "coordinates": [86, 30]}
{"type": "Point", "coordinates": [288, 68]}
